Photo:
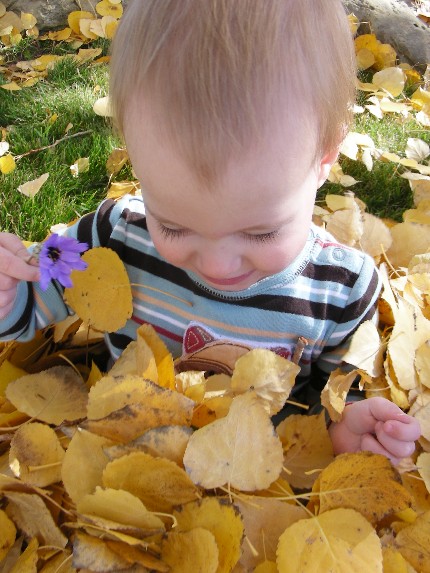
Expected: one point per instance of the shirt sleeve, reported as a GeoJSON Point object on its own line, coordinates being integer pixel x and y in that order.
{"type": "Point", "coordinates": [35, 309]}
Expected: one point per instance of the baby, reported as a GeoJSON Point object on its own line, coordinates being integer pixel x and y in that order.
{"type": "Point", "coordinates": [232, 112]}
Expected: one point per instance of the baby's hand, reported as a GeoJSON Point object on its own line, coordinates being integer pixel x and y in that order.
{"type": "Point", "coordinates": [376, 425]}
{"type": "Point", "coordinates": [15, 265]}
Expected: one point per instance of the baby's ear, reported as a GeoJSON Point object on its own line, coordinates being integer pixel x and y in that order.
{"type": "Point", "coordinates": [325, 165]}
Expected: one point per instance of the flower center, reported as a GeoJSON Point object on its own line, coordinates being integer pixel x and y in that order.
{"type": "Point", "coordinates": [54, 254]}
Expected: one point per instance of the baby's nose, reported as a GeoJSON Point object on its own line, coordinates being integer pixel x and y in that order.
{"type": "Point", "coordinates": [218, 261]}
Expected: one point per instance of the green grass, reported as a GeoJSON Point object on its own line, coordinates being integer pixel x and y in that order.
{"type": "Point", "coordinates": [385, 193]}
{"type": "Point", "coordinates": [69, 92]}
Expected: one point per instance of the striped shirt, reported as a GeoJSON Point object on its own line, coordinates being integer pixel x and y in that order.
{"type": "Point", "coordinates": [322, 296]}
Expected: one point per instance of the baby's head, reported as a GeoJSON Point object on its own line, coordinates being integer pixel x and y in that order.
{"type": "Point", "coordinates": [221, 74]}
{"type": "Point", "coordinates": [232, 112]}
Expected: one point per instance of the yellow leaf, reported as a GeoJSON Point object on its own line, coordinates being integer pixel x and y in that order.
{"type": "Point", "coordinates": [138, 556]}
{"type": "Point", "coordinates": [45, 62]}
{"type": "Point", "coordinates": [409, 239]}
{"type": "Point", "coordinates": [87, 29]}
{"type": "Point", "coordinates": [36, 454]}
{"type": "Point", "coordinates": [84, 463]}
{"type": "Point", "coordinates": [122, 507]}
{"type": "Point", "coordinates": [385, 56]}
{"type": "Point", "coordinates": [266, 567]}
{"type": "Point", "coordinates": [166, 441]}
{"type": "Point", "coordinates": [59, 563]}
{"type": "Point", "coordinates": [265, 519]}
{"type": "Point", "coordinates": [93, 554]}
{"type": "Point", "coordinates": [195, 550]}
{"type": "Point", "coordinates": [54, 395]}
{"type": "Point", "coordinates": [112, 393]}
{"type": "Point", "coordinates": [336, 175]}
{"type": "Point", "coordinates": [422, 361]}
{"type": "Point", "coordinates": [94, 376]}
{"type": "Point", "coordinates": [340, 541]}
{"type": "Point", "coordinates": [8, 373]}
{"type": "Point", "coordinates": [159, 483]}
{"type": "Point", "coordinates": [390, 79]}
{"type": "Point", "coordinates": [366, 41]}
{"type": "Point", "coordinates": [394, 562]}
{"type": "Point", "coordinates": [117, 159]}
{"type": "Point", "coordinates": [410, 331]}
{"type": "Point", "coordinates": [103, 285]}
{"type": "Point", "coordinates": [81, 165]}
{"type": "Point", "coordinates": [346, 225]}
{"type": "Point", "coordinates": [28, 20]}
{"type": "Point", "coordinates": [271, 376]}
{"type": "Point", "coordinates": [222, 519]}
{"type": "Point", "coordinates": [223, 452]}
{"type": "Point", "coordinates": [336, 202]}
{"type": "Point", "coordinates": [421, 97]}
{"type": "Point", "coordinates": [74, 18]}
{"type": "Point", "coordinates": [110, 25]}
{"type": "Point", "coordinates": [366, 350]}
{"type": "Point", "coordinates": [7, 163]}
{"type": "Point", "coordinates": [4, 147]}
{"type": "Point", "coordinates": [417, 149]}
{"type": "Point", "coordinates": [163, 358]}
{"type": "Point", "coordinates": [7, 534]}
{"type": "Point", "coordinates": [102, 107]}
{"type": "Point", "coordinates": [307, 446]}
{"type": "Point", "coordinates": [27, 561]}
{"type": "Point", "coordinates": [342, 483]}
{"type": "Point", "coordinates": [350, 147]}
{"type": "Point", "coordinates": [388, 106]}
{"type": "Point", "coordinates": [413, 543]}
{"type": "Point", "coordinates": [120, 188]}
{"type": "Point", "coordinates": [60, 35]}
{"type": "Point", "coordinates": [33, 518]}
{"type": "Point", "coordinates": [87, 54]}
{"type": "Point", "coordinates": [333, 395]}
{"type": "Point", "coordinates": [376, 238]}
{"type": "Point", "coordinates": [31, 188]}
{"type": "Point", "coordinates": [122, 409]}
{"type": "Point", "coordinates": [12, 86]}
{"type": "Point", "coordinates": [107, 8]}
{"type": "Point", "coordinates": [423, 464]}
{"type": "Point", "coordinates": [365, 59]}
{"type": "Point", "coordinates": [10, 20]}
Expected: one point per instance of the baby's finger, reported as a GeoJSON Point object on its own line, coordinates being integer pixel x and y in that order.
{"type": "Point", "coordinates": [371, 444]}
{"type": "Point", "coordinates": [15, 266]}
{"type": "Point", "coordinates": [384, 410]}
{"type": "Point", "coordinates": [397, 448]}
{"type": "Point", "coordinates": [405, 429]}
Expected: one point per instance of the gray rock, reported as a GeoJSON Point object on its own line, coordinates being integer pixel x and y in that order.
{"type": "Point", "coordinates": [394, 22]}
{"type": "Point", "coordinates": [49, 13]}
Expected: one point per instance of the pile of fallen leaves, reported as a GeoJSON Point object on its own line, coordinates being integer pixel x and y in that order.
{"type": "Point", "coordinates": [140, 468]}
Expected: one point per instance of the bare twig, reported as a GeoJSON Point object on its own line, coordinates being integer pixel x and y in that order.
{"type": "Point", "coordinates": [80, 133]}
{"type": "Point", "coordinates": [300, 346]}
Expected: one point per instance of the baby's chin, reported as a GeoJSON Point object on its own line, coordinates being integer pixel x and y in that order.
{"type": "Point", "coordinates": [233, 284]}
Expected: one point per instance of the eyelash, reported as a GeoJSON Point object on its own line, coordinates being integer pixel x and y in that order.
{"type": "Point", "coordinates": [169, 233]}
{"type": "Point", "coordinates": [263, 238]}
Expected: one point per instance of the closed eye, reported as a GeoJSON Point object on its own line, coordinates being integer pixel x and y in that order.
{"type": "Point", "coordinates": [170, 233]}
{"type": "Point", "coordinates": [262, 237]}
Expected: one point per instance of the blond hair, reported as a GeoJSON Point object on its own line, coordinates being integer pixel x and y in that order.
{"type": "Point", "coordinates": [217, 71]}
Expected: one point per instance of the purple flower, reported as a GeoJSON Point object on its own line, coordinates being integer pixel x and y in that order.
{"type": "Point", "coordinates": [58, 257]}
